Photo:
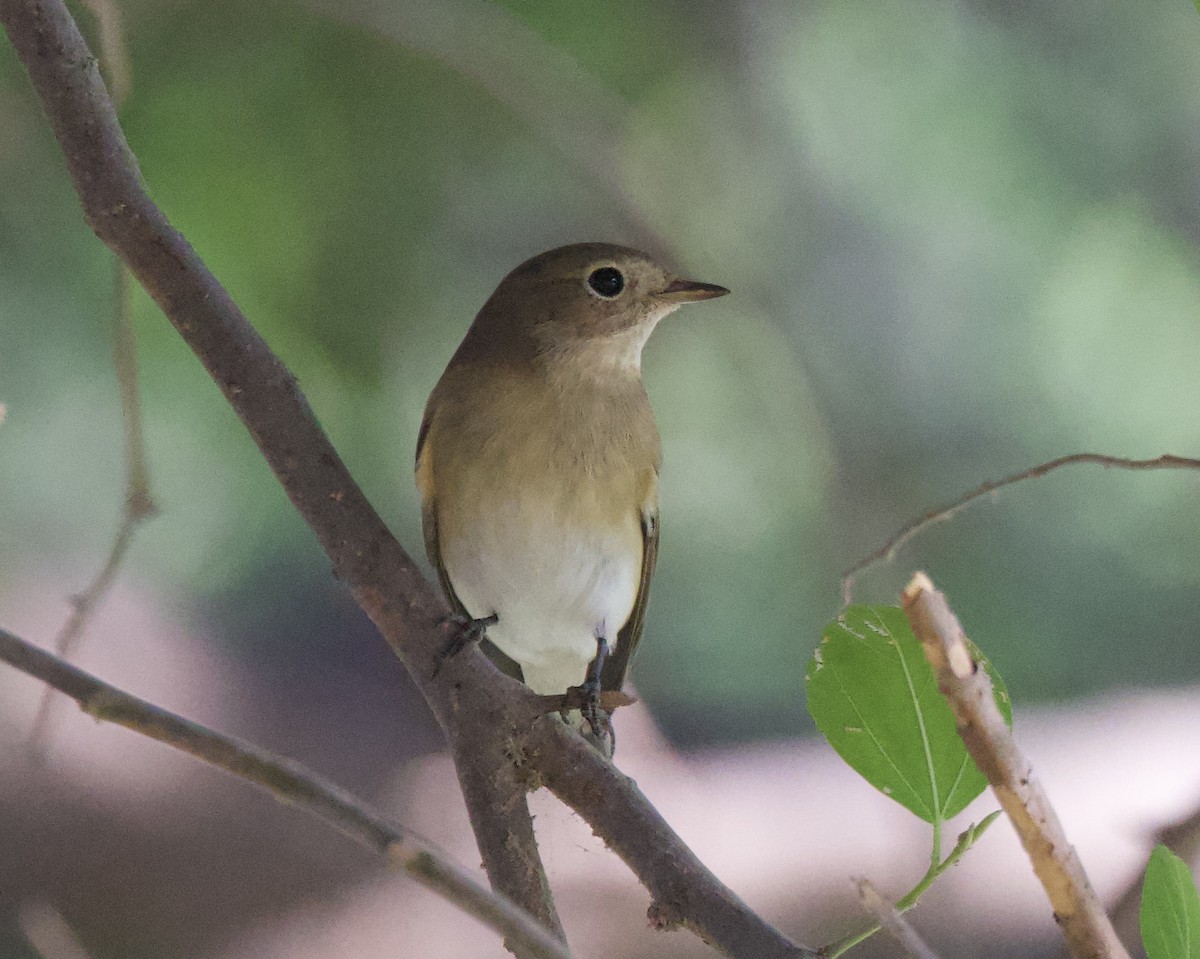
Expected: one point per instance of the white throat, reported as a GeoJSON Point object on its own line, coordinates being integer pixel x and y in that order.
{"type": "Point", "coordinates": [616, 353]}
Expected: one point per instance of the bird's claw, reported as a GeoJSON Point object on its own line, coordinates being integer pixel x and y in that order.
{"type": "Point", "coordinates": [465, 632]}
{"type": "Point", "coordinates": [598, 719]}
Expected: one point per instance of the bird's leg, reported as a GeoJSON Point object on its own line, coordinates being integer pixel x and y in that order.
{"type": "Point", "coordinates": [466, 631]}
{"type": "Point", "coordinates": [595, 716]}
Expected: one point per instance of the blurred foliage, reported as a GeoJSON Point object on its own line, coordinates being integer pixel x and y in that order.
{"type": "Point", "coordinates": [1170, 913]}
{"type": "Point", "coordinates": [962, 238]}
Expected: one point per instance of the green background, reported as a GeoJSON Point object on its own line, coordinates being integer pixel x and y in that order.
{"type": "Point", "coordinates": [962, 239]}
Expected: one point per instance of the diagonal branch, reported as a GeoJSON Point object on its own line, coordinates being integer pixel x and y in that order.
{"type": "Point", "coordinates": [385, 581]}
{"type": "Point", "coordinates": [968, 690]}
{"type": "Point", "coordinates": [494, 725]}
{"type": "Point", "coordinates": [685, 891]}
{"type": "Point", "coordinates": [291, 782]}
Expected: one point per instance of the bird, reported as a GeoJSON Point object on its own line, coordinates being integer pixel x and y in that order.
{"type": "Point", "coordinates": [537, 464]}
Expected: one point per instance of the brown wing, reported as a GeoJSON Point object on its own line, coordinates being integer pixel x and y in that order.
{"type": "Point", "coordinates": [612, 676]}
{"type": "Point", "coordinates": [433, 549]}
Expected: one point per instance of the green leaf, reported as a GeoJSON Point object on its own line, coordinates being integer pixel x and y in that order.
{"type": "Point", "coordinates": [874, 697]}
{"type": "Point", "coordinates": [1170, 908]}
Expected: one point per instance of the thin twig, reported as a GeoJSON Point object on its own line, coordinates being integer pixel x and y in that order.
{"type": "Point", "coordinates": [887, 552]}
{"type": "Point", "coordinates": [82, 607]}
{"type": "Point", "coordinates": [139, 502]}
{"type": "Point", "coordinates": [968, 690]}
{"type": "Point", "coordinates": [891, 921]}
{"type": "Point", "coordinates": [291, 782]}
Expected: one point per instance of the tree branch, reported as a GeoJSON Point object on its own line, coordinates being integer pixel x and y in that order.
{"type": "Point", "coordinates": [490, 721]}
{"type": "Point", "coordinates": [383, 578]}
{"type": "Point", "coordinates": [685, 891]}
{"type": "Point", "coordinates": [1168, 461]}
{"type": "Point", "coordinates": [968, 690]}
{"type": "Point", "coordinates": [292, 783]}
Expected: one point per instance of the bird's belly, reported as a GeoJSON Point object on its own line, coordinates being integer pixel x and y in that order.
{"type": "Point", "coordinates": [556, 583]}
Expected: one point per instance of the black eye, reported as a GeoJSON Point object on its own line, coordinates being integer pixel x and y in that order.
{"type": "Point", "coordinates": [607, 282]}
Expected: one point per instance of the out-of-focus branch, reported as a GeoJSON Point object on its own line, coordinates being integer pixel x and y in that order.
{"type": "Point", "coordinates": [114, 54]}
{"type": "Point", "coordinates": [968, 690]}
{"type": "Point", "coordinates": [291, 782]}
{"type": "Point", "coordinates": [891, 921]}
{"type": "Point", "coordinates": [139, 502]}
{"type": "Point", "coordinates": [48, 932]}
{"type": "Point", "coordinates": [886, 552]}
{"type": "Point", "coordinates": [491, 722]}
{"type": "Point", "coordinates": [83, 605]}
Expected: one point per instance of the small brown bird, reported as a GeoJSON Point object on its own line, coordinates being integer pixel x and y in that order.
{"type": "Point", "coordinates": [538, 462]}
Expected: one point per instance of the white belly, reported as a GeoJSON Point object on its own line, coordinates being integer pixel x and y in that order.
{"type": "Point", "coordinates": [555, 588]}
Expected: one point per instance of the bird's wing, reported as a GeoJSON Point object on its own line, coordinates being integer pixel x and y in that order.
{"type": "Point", "coordinates": [612, 674]}
{"type": "Point", "coordinates": [424, 471]}
{"type": "Point", "coordinates": [429, 525]}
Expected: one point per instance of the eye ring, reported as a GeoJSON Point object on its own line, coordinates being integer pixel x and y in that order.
{"type": "Point", "coordinates": [606, 282]}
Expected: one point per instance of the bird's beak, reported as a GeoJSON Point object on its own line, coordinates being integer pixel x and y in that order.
{"type": "Point", "coordinates": [687, 291]}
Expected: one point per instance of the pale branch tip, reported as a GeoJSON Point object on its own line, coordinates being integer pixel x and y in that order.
{"type": "Point", "coordinates": [1085, 925]}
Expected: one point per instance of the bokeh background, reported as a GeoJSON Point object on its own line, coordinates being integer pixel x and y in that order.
{"type": "Point", "coordinates": [962, 237]}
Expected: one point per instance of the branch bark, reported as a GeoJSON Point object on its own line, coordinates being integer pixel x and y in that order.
{"type": "Point", "coordinates": [295, 785]}
{"type": "Point", "coordinates": [500, 740]}
{"type": "Point", "coordinates": [968, 690]}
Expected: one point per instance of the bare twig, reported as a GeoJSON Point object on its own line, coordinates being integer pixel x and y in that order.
{"type": "Point", "coordinates": [968, 690]}
{"type": "Point", "coordinates": [887, 552]}
{"type": "Point", "coordinates": [83, 606]}
{"type": "Point", "coordinates": [484, 714]}
{"type": "Point", "coordinates": [891, 921]}
{"type": "Point", "coordinates": [139, 503]}
{"type": "Point", "coordinates": [294, 784]}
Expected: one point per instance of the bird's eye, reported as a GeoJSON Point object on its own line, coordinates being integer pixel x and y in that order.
{"type": "Point", "coordinates": [606, 282]}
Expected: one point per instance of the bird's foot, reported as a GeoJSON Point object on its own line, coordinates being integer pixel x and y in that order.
{"type": "Point", "coordinates": [465, 632]}
{"type": "Point", "coordinates": [598, 729]}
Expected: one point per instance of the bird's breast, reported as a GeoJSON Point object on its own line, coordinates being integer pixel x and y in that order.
{"type": "Point", "coordinates": [539, 521]}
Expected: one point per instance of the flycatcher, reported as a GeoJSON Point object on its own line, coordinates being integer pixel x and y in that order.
{"type": "Point", "coordinates": [538, 461]}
